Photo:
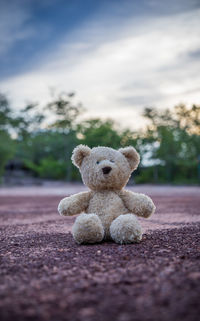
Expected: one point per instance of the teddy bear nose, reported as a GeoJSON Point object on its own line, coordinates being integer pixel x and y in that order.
{"type": "Point", "coordinates": [106, 170]}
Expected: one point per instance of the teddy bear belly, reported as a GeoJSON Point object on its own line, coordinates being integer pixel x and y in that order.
{"type": "Point", "coordinates": [108, 206]}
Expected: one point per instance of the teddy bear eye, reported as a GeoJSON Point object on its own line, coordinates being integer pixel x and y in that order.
{"type": "Point", "coordinates": [97, 162]}
{"type": "Point", "coordinates": [112, 161]}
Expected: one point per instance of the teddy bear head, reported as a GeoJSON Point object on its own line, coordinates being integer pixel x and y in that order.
{"type": "Point", "coordinates": [104, 168]}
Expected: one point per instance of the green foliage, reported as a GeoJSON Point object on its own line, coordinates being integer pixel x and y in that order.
{"type": "Point", "coordinates": [96, 132]}
{"type": "Point", "coordinates": [175, 139]}
{"type": "Point", "coordinates": [7, 145]}
{"type": "Point", "coordinates": [43, 138]}
{"type": "Point", "coordinates": [7, 150]}
{"type": "Point", "coordinates": [48, 168]}
{"type": "Point", "coordinates": [28, 122]}
{"type": "Point", "coordinates": [47, 145]}
{"type": "Point", "coordinates": [5, 113]}
{"type": "Point", "coordinates": [65, 112]}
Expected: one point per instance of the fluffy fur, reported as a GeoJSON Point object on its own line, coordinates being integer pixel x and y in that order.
{"type": "Point", "coordinates": [110, 211]}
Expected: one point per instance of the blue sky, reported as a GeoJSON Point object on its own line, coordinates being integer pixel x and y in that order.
{"type": "Point", "coordinates": [118, 56]}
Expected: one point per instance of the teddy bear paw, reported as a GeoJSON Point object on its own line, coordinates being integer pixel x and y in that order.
{"type": "Point", "coordinates": [88, 229]}
{"type": "Point", "coordinates": [126, 229]}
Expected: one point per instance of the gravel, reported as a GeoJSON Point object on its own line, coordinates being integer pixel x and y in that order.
{"type": "Point", "coordinates": [45, 275]}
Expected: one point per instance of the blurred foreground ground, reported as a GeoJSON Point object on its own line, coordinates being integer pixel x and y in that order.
{"type": "Point", "coordinates": [46, 276]}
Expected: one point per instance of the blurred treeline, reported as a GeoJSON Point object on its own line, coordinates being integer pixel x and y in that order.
{"type": "Point", "coordinates": [41, 139]}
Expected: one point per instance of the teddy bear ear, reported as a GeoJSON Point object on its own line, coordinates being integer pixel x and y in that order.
{"type": "Point", "coordinates": [131, 155]}
{"type": "Point", "coordinates": [79, 153]}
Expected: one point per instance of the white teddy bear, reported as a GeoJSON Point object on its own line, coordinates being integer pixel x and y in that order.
{"type": "Point", "coordinates": [110, 211]}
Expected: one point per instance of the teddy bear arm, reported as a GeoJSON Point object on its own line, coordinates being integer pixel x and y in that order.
{"type": "Point", "coordinates": [137, 203]}
{"type": "Point", "coordinates": [74, 204]}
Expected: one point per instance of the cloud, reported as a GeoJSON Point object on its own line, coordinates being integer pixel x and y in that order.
{"type": "Point", "coordinates": [13, 18]}
{"type": "Point", "coordinates": [116, 71]}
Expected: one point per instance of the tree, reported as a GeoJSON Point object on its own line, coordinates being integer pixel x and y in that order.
{"type": "Point", "coordinates": [96, 132]}
{"type": "Point", "coordinates": [47, 138]}
{"type": "Point", "coordinates": [7, 146]}
{"type": "Point", "coordinates": [49, 145]}
{"type": "Point", "coordinates": [188, 119]}
{"type": "Point", "coordinates": [174, 137]}
{"type": "Point", "coordinates": [64, 111]}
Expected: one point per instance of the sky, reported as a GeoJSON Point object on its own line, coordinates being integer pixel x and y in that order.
{"type": "Point", "coordinates": [118, 56]}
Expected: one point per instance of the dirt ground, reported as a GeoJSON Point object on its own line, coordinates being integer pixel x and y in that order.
{"type": "Point", "coordinates": [44, 275]}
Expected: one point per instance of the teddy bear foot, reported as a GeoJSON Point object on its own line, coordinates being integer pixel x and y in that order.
{"type": "Point", "coordinates": [88, 229]}
{"type": "Point", "coordinates": [126, 229]}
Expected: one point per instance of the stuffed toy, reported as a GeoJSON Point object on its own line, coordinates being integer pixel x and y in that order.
{"type": "Point", "coordinates": [108, 211]}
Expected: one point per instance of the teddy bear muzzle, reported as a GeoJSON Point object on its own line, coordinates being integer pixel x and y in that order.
{"type": "Point", "coordinates": [106, 170]}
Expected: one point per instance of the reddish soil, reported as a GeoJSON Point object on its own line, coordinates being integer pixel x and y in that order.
{"type": "Point", "coordinates": [44, 275]}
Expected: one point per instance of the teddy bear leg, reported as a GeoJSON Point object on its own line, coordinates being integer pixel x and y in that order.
{"type": "Point", "coordinates": [88, 229]}
{"type": "Point", "coordinates": [126, 229]}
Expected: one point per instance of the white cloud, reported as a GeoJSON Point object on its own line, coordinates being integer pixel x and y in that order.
{"type": "Point", "coordinates": [138, 62]}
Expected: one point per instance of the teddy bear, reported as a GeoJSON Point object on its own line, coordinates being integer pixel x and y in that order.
{"type": "Point", "coordinates": [108, 211]}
